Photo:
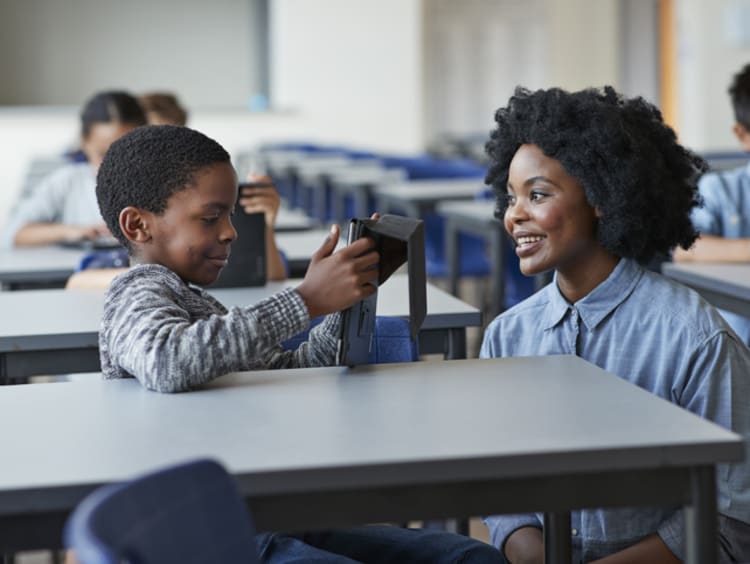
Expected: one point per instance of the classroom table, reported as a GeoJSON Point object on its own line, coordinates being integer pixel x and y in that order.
{"type": "Point", "coordinates": [477, 218]}
{"type": "Point", "coordinates": [726, 286]}
{"type": "Point", "coordinates": [48, 265]}
{"type": "Point", "coordinates": [316, 196]}
{"type": "Point", "coordinates": [358, 184]}
{"type": "Point", "coordinates": [414, 198]}
{"type": "Point", "coordinates": [56, 331]}
{"type": "Point", "coordinates": [52, 265]}
{"type": "Point", "coordinates": [326, 447]}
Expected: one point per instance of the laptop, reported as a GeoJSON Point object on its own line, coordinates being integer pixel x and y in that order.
{"type": "Point", "coordinates": [247, 260]}
{"type": "Point", "coordinates": [398, 240]}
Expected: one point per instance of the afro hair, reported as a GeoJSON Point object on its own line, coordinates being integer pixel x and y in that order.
{"type": "Point", "coordinates": [632, 169]}
{"type": "Point", "coordinates": [149, 164]}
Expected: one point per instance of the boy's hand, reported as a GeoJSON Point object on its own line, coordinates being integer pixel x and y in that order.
{"type": "Point", "coordinates": [261, 199]}
{"type": "Point", "coordinates": [334, 281]}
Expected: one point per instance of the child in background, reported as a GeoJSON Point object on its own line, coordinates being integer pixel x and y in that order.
{"type": "Point", "coordinates": [724, 219]}
{"type": "Point", "coordinates": [163, 108]}
{"type": "Point", "coordinates": [173, 213]}
{"type": "Point", "coordinates": [591, 186]}
{"type": "Point", "coordinates": [63, 207]}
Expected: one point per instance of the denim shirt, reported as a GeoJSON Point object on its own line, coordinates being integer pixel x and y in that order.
{"type": "Point", "coordinates": [726, 213]}
{"type": "Point", "coordinates": [660, 336]}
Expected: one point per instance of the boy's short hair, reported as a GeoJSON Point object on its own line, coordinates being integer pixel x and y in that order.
{"type": "Point", "coordinates": [149, 164]}
{"type": "Point", "coordinates": [632, 169]}
{"type": "Point", "coordinates": [739, 92]}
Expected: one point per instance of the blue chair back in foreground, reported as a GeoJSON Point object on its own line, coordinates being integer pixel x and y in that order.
{"type": "Point", "coordinates": [392, 341]}
{"type": "Point", "coordinates": [188, 514]}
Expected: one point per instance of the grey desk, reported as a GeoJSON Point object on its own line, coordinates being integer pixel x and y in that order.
{"type": "Point", "coordinates": [417, 197]}
{"type": "Point", "coordinates": [359, 185]}
{"type": "Point", "coordinates": [477, 218]}
{"type": "Point", "coordinates": [299, 247]}
{"type": "Point", "coordinates": [43, 265]}
{"type": "Point", "coordinates": [293, 220]}
{"type": "Point", "coordinates": [52, 265]}
{"type": "Point", "coordinates": [327, 447]}
{"type": "Point", "coordinates": [724, 285]}
{"type": "Point", "coordinates": [56, 331]}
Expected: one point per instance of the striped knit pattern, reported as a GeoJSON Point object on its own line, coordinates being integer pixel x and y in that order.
{"type": "Point", "coordinates": [173, 337]}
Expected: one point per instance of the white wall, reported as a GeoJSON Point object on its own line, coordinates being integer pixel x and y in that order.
{"type": "Point", "coordinates": [353, 68]}
{"type": "Point", "coordinates": [60, 52]}
{"type": "Point", "coordinates": [583, 43]}
{"type": "Point", "coordinates": [708, 57]}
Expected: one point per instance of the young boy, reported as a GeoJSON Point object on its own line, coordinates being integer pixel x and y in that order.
{"type": "Point", "coordinates": [591, 186]}
{"type": "Point", "coordinates": [167, 193]}
{"type": "Point", "coordinates": [724, 219]}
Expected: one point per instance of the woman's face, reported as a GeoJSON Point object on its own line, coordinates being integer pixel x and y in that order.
{"type": "Point", "coordinates": [100, 137]}
{"type": "Point", "coordinates": [548, 216]}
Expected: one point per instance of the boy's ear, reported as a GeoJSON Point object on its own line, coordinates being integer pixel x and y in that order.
{"type": "Point", "coordinates": [597, 213]}
{"type": "Point", "coordinates": [743, 135]}
{"type": "Point", "coordinates": [134, 224]}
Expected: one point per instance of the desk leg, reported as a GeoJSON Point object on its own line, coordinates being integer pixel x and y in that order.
{"type": "Point", "coordinates": [497, 272]}
{"type": "Point", "coordinates": [557, 546]}
{"type": "Point", "coordinates": [456, 343]}
{"type": "Point", "coordinates": [701, 517]}
{"type": "Point", "coordinates": [451, 254]}
{"type": "Point", "coordinates": [4, 379]}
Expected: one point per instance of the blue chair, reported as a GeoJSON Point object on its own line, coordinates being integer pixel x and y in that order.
{"type": "Point", "coordinates": [104, 258]}
{"type": "Point", "coordinates": [392, 340]}
{"type": "Point", "coordinates": [188, 514]}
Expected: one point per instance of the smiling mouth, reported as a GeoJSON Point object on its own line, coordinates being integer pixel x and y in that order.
{"type": "Point", "coordinates": [219, 261]}
{"type": "Point", "coordinates": [528, 240]}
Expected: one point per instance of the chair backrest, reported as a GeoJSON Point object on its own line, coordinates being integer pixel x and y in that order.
{"type": "Point", "coordinates": [392, 340]}
{"type": "Point", "coordinates": [190, 513]}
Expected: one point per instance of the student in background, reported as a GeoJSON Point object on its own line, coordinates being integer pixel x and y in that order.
{"type": "Point", "coordinates": [724, 219]}
{"type": "Point", "coordinates": [163, 108]}
{"type": "Point", "coordinates": [591, 186]}
{"type": "Point", "coordinates": [63, 207]}
{"type": "Point", "coordinates": [173, 213]}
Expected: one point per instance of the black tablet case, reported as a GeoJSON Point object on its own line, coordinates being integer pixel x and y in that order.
{"type": "Point", "coordinates": [398, 240]}
{"type": "Point", "coordinates": [247, 259]}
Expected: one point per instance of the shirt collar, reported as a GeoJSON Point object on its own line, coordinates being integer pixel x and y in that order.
{"type": "Point", "coordinates": [598, 303]}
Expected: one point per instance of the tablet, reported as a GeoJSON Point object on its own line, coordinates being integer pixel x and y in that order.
{"type": "Point", "coordinates": [398, 240]}
{"type": "Point", "coordinates": [247, 260]}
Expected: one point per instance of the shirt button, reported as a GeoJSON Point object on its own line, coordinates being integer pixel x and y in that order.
{"type": "Point", "coordinates": [574, 532]}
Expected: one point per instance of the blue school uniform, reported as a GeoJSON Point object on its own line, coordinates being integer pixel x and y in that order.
{"type": "Point", "coordinates": [726, 213]}
{"type": "Point", "coordinates": [662, 337]}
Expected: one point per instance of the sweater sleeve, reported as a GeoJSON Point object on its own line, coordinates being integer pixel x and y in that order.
{"type": "Point", "coordinates": [171, 339]}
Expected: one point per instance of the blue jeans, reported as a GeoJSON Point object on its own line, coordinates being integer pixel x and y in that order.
{"type": "Point", "coordinates": [376, 544]}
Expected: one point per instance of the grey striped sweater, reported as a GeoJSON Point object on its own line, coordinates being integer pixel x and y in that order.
{"type": "Point", "coordinates": [173, 337]}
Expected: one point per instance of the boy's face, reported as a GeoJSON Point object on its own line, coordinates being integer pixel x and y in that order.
{"type": "Point", "coordinates": [553, 225]}
{"type": "Point", "coordinates": [194, 234]}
